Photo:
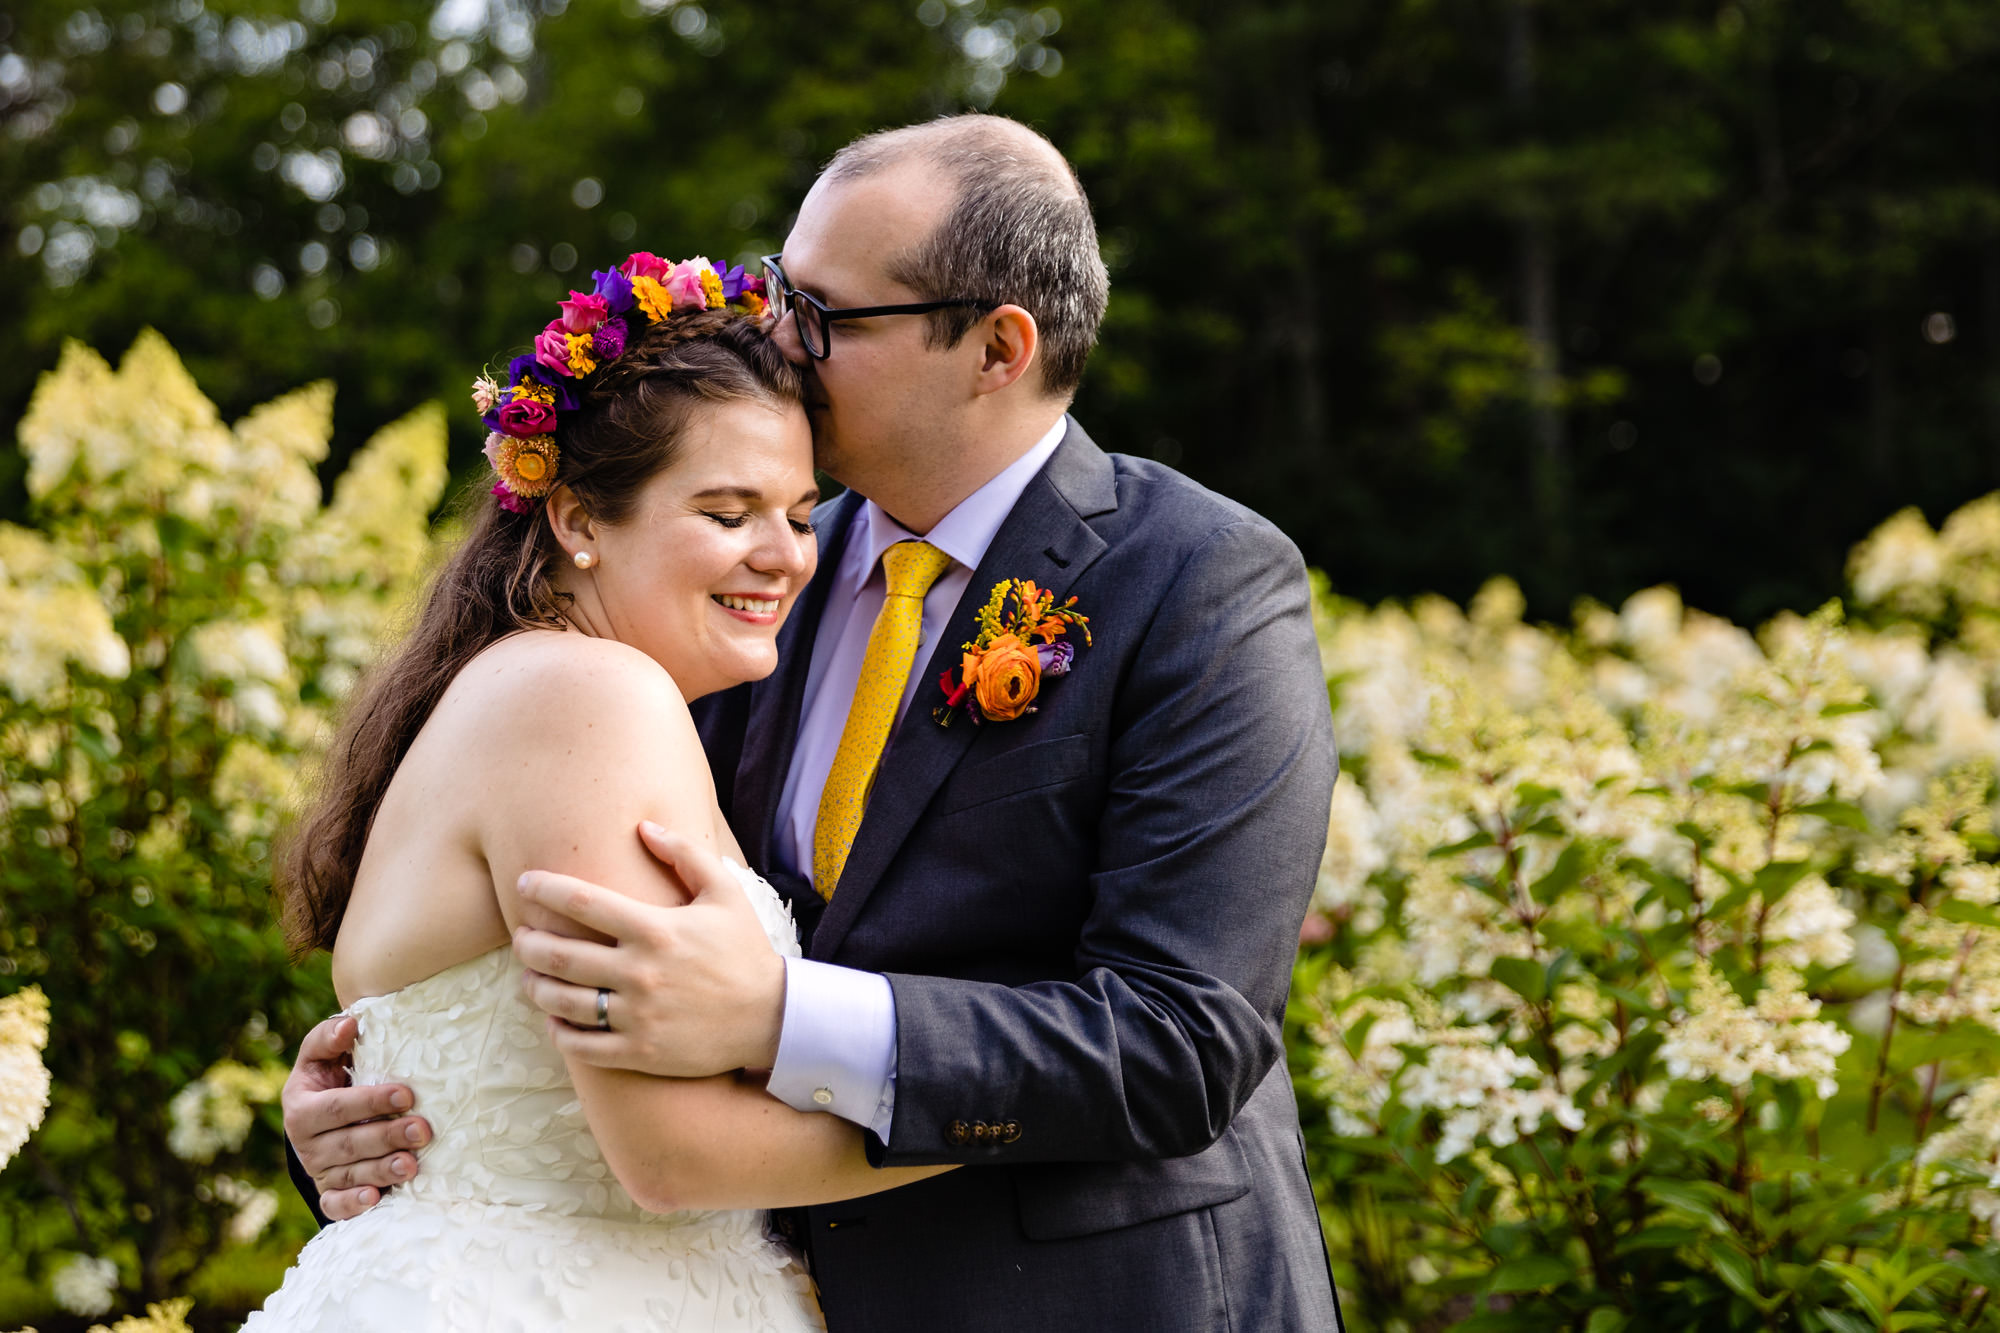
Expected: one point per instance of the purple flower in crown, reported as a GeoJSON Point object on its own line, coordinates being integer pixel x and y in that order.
{"type": "Point", "coordinates": [527, 366]}
{"type": "Point", "coordinates": [509, 501]}
{"type": "Point", "coordinates": [735, 282]}
{"type": "Point", "coordinates": [1056, 657]}
{"type": "Point", "coordinates": [615, 288]}
{"type": "Point", "coordinates": [610, 339]}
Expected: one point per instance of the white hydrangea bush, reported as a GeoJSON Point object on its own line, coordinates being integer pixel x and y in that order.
{"type": "Point", "coordinates": [1653, 979]}
{"type": "Point", "coordinates": [177, 627]}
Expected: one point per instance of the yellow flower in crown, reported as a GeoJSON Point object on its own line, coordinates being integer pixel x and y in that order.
{"type": "Point", "coordinates": [652, 298]}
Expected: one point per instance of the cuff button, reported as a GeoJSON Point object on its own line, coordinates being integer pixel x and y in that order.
{"type": "Point", "coordinates": [823, 1096]}
{"type": "Point", "coordinates": [955, 1131]}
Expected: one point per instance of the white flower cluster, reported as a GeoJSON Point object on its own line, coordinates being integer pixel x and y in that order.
{"type": "Point", "coordinates": [50, 618]}
{"type": "Point", "coordinates": [214, 1113]}
{"type": "Point", "coordinates": [254, 1207]}
{"type": "Point", "coordinates": [1467, 1073]}
{"type": "Point", "coordinates": [85, 1285]}
{"type": "Point", "coordinates": [1779, 1037]}
{"type": "Point", "coordinates": [24, 1080]}
{"type": "Point", "coordinates": [1971, 1145]}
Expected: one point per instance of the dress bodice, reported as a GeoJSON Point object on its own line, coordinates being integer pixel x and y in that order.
{"type": "Point", "coordinates": [515, 1223]}
{"type": "Point", "coordinates": [507, 1126]}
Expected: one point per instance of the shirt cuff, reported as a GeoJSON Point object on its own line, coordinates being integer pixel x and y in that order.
{"type": "Point", "coordinates": [837, 1047]}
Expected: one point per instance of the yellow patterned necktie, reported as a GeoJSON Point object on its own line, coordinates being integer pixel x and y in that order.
{"type": "Point", "coordinates": [912, 567]}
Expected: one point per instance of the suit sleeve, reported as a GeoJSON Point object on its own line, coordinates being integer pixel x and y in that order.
{"type": "Point", "coordinates": [303, 1183]}
{"type": "Point", "coordinates": [1221, 769]}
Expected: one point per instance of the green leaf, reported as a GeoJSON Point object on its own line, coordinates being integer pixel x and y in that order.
{"type": "Point", "coordinates": [1842, 710]}
{"type": "Point", "coordinates": [1968, 914]}
{"type": "Point", "coordinates": [1533, 794]}
{"type": "Point", "coordinates": [1736, 1269]}
{"type": "Point", "coordinates": [1842, 814]}
{"type": "Point", "coordinates": [1473, 843]}
{"type": "Point", "coordinates": [1605, 1319]}
{"type": "Point", "coordinates": [1659, 1238]}
{"type": "Point", "coordinates": [1689, 1197]}
{"type": "Point", "coordinates": [1523, 976]}
{"type": "Point", "coordinates": [1777, 879]}
{"type": "Point", "coordinates": [1561, 876]}
{"type": "Point", "coordinates": [1862, 1286]}
{"type": "Point", "coordinates": [1531, 1273]}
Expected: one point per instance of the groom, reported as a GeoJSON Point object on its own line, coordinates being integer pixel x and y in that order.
{"type": "Point", "coordinates": [1052, 946]}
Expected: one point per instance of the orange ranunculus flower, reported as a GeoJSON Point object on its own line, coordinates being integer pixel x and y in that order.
{"type": "Point", "coordinates": [1007, 678]}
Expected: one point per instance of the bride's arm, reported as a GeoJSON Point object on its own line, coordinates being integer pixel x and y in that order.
{"type": "Point", "coordinates": [584, 748]}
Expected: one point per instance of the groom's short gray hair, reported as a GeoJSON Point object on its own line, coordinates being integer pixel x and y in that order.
{"type": "Point", "coordinates": [1019, 233]}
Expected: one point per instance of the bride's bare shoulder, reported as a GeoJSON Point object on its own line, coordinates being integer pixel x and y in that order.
{"type": "Point", "coordinates": [548, 684]}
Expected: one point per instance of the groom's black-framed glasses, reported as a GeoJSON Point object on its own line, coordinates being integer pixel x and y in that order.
{"type": "Point", "coordinates": [816, 318]}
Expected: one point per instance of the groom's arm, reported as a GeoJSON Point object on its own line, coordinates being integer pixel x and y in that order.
{"type": "Point", "coordinates": [1221, 769]}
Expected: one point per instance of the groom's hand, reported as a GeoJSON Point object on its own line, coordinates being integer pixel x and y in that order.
{"type": "Point", "coordinates": [695, 990]}
{"type": "Point", "coordinates": [353, 1142]}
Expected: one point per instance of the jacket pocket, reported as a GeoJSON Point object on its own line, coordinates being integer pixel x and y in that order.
{"type": "Point", "coordinates": [1023, 769]}
{"type": "Point", "coordinates": [1059, 1201]}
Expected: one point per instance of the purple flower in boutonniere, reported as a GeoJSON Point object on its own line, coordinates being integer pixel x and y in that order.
{"type": "Point", "coordinates": [1001, 674]}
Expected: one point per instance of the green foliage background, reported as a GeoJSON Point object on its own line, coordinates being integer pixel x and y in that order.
{"type": "Point", "coordinates": [1585, 291]}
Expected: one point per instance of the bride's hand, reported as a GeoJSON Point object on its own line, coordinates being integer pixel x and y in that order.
{"type": "Point", "coordinates": [695, 990]}
{"type": "Point", "coordinates": [354, 1142]}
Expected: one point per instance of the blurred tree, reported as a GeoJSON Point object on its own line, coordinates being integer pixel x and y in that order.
{"type": "Point", "coordinates": [1586, 292]}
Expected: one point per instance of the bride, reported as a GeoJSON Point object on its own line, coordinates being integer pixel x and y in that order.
{"type": "Point", "coordinates": [648, 532]}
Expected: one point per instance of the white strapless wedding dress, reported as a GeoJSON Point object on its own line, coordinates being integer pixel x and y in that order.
{"type": "Point", "coordinates": [515, 1222]}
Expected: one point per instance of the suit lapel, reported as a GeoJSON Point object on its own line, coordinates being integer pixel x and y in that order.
{"type": "Point", "coordinates": [1044, 538]}
{"type": "Point", "coordinates": [776, 700]}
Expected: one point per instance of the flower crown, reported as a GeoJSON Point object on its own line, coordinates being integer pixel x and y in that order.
{"type": "Point", "coordinates": [592, 330]}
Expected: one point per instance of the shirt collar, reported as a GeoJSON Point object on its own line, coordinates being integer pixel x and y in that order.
{"type": "Point", "coordinates": [965, 532]}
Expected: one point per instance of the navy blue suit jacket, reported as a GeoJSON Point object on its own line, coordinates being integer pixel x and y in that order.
{"type": "Point", "coordinates": [1088, 916]}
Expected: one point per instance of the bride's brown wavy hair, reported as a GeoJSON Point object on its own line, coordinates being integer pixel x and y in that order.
{"type": "Point", "coordinates": [626, 429]}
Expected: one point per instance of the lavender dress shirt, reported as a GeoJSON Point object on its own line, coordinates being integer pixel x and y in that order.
{"type": "Point", "coordinates": [837, 1046]}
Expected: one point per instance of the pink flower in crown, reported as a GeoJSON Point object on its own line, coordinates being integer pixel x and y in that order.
{"type": "Point", "coordinates": [584, 311]}
{"type": "Point", "coordinates": [552, 348]}
{"type": "Point", "coordinates": [685, 285]}
{"type": "Point", "coordinates": [646, 264]}
{"type": "Point", "coordinates": [527, 416]}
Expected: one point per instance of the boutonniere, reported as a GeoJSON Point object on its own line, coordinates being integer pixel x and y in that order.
{"type": "Point", "coordinates": [1002, 670]}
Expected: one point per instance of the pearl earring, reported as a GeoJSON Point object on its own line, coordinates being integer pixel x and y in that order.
{"type": "Point", "coordinates": [584, 559]}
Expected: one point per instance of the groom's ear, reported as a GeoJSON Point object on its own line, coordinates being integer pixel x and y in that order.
{"type": "Point", "coordinates": [1009, 341]}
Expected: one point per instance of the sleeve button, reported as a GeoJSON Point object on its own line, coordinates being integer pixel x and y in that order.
{"type": "Point", "coordinates": [823, 1096]}
{"type": "Point", "coordinates": [1010, 1131]}
{"type": "Point", "coordinates": [955, 1131]}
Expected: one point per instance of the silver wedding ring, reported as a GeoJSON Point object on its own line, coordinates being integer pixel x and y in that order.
{"type": "Point", "coordinates": [603, 1009]}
